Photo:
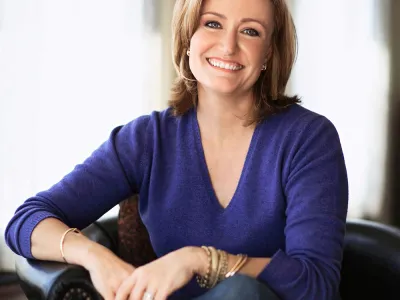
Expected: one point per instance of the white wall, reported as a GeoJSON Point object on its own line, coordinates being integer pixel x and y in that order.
{"type": "Point", "coordinates": [342, 72]}
{"type": "Point", "coordinates": [70, 71]}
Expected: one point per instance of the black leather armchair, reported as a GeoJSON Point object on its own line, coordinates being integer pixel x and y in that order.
{"type": "Point", "coordinates": [45, 280]}
{"type": "Point", "coordinates": [371, 265]}
{"type": "Point", "coordinates": [371, 261]}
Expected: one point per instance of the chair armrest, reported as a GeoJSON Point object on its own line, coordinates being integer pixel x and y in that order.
{"type": "Point", "coordinates": [371, 261]}
{"type": "Point", "coordinates": [54, 280]}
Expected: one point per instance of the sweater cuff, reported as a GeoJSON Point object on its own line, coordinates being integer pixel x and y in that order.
{"type": "Point", "coordinates": [279, 269]}
{"type": "Point", "coordinates": [26, 230]}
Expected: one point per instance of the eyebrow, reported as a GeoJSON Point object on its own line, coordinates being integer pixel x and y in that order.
{"type": "Point", "coordinates": [241, 21]}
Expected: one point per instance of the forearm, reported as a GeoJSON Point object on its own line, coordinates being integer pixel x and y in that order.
{"type": "Point", "coordinates": [45, 243]}
{"type": "Point", "coordinates": [253, 266]}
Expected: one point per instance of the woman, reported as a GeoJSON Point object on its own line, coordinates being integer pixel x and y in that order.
{"type": "Point", "coordinates": [233, 165]}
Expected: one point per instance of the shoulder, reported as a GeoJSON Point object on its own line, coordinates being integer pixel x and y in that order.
{"type": "Point", "coordinates": [299, 133]}
{"type": "Point", "coordinates": [148, 131]}
{"type": "Point", "coordinates": [299, 117]}
{"type": "Point", "coordinates": [151, 119]}
{"type": "Point", "coordinates": [310, 137]}
{"type": "Point", "coordinates": [299, 123]}
{"type": "Point", "coordinates": [152, 122]}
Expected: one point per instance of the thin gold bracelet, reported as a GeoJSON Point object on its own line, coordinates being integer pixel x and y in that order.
{"type": "Point", "coordinates": [63, 238]}
{"type": "Point", "coordinates": [239, 265]}
{"type": "Point", "coordinates": [235, 265]}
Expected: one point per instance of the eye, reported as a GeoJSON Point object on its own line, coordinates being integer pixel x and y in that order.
{"type": "Point", "coordinates": [213, 24]}
{"type": "Point", "coordinates": [251, 32]}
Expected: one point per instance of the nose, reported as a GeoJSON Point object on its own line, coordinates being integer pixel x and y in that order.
{"type": "Point", "coordinates": [229, 42]}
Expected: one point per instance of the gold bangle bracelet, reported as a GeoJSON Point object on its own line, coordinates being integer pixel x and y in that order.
{"type": "Point", "coordinates": [214, 267]}
{"type": "Point", "coordinates": [238, 267]}
{"type": "Point", "coordinates": [235, 265]}
{"type": "Point", "coordinates": [220, 262]}
{"type": "Point", "coordinates": [242, 262]}
{"type": "Point", "coordinates": [63, 238]}
{"type": "Point", "coordinates": [241, 265]}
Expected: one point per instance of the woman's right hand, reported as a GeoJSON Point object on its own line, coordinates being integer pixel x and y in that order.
{"type": "Point", "coordinates": [107, 270]}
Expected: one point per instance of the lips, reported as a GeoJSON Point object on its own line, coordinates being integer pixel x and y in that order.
{"type": "Point", "coordinates": [225, 65]}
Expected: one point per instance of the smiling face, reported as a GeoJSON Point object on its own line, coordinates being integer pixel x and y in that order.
{"type": "Point", "coordinates": [231, 44]}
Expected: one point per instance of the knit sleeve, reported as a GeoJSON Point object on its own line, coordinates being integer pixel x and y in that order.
{"type": "Point", "coordinates": [316, 191]}
{"type": "Point", "coordinates": [112, 173]}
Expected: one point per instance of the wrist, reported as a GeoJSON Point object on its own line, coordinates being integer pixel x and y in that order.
{"type": "Point", "coordinates": [78, 249]}
{"type": "Point", "coordinates": [199, 260]}
{"type": "Point", "coordinates": [92, 252]}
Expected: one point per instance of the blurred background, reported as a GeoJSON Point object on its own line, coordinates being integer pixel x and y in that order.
{"type": "Point", "coordinates": [70, 71]}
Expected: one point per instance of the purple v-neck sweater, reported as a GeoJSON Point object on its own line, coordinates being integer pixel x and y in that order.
{"type": "Point", "coordinates": [290, 203]}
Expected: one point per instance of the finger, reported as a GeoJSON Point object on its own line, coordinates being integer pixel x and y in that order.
{"type": "Point", "coordinates": [125, 288]}
{"type": "Point", "coordinates": [161, 295]}
{"type": "Point", "coordinates": [152, 290]}
{"type": "Point", "coordinates": [138, 292]}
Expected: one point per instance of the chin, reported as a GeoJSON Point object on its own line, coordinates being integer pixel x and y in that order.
{"type": "Point", "coordinates": [224, 91]}
{"type": "Point", "coordinates": [222, 87]}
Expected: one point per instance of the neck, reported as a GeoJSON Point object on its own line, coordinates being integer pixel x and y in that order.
{"type": "Point", "coordinates": [223, 117]}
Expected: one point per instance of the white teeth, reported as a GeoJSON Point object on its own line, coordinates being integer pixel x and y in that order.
{"type": "Point", "coordinates": [226, 66]}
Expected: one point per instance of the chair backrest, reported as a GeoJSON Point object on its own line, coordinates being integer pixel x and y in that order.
{"type": "Point", "coordinates": [371, 261]}
{"type": "Point", "coordinates": [133, 239]}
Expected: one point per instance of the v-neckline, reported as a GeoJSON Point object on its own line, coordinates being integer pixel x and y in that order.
{"type": "Point", "coordinates": [204, 168]}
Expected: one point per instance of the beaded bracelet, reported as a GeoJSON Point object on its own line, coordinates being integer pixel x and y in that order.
{"type": "Point", "coordinates": [203, 281]}
{"type": "Point", "coordinates": [224, 265]}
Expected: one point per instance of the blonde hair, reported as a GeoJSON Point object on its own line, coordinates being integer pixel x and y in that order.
{"type": "Point", "coordinates": [269, 89]}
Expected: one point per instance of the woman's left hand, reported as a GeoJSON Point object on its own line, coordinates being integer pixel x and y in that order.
{"type": "Point", "coordinates": [160, 278]}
